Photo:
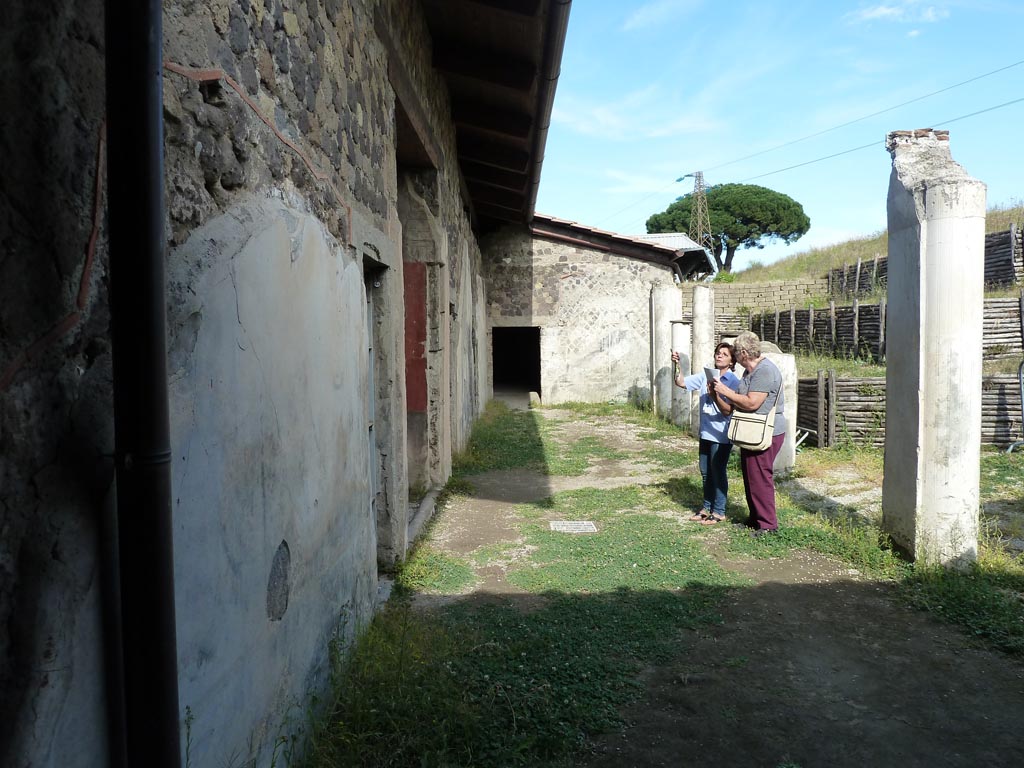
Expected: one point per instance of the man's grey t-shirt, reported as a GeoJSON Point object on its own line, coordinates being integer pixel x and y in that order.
{"type": "Point", "coordinates": [767, 378]}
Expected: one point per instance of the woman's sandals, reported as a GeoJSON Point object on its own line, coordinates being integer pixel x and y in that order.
{"type": "Point", "coordinates": [705, 519]}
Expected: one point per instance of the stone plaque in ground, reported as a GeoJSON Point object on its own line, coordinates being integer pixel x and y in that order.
{"type": "Point", "coordinates": [573, 526]}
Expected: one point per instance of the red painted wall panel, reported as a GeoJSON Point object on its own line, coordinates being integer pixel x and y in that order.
{"type": "Point", "coordinates": [416, 336]}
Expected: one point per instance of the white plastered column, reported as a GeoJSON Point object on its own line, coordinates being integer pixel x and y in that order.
{"type": "Point", "coordinates": [665, 307]}
{"type": "Point", "coordinates": [680, 397]}
{"type": "Point", "coordinates": [936, 217]}
{"type": "Point", "coordinates": [703, 345]}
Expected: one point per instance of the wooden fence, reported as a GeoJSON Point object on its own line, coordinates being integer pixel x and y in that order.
{"type": "Point", "coordinates": [854, 331]}
{"type": "Point", "coordinates": [833, 411]}
{"type": "Point", "coordinates": [1004, 260]}
{"type": "Point", "coordinates": [859, 330]}
{"type": "Point", "coordinates": [1004, 265]}
{"type": "Point", "coordinates": [860, 278]}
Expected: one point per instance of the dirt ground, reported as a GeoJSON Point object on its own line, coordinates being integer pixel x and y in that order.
{"type": "Point", "coordinates": [815, 665]}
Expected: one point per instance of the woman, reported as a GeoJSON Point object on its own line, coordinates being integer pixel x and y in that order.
{"type": "Point", "coordinates": [714, 445]}
{"type": "Point", "coordinates": [758, 391]}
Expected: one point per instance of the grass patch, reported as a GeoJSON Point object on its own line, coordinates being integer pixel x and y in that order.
{"type": "Point", "coordinates": [649, 425]}
{"type": "Point", "coordinates": [502, 439]}
{"type": "Point", "coordinates": [631, 549]}
{"type": "Point", "coordinates": [818, 261]}
{"type": "Point", "coordinates": [1002, 474]}
{"type": "Point", "coordinates": [432, 571]}
{"type": "Point", "coordinates": [507, 439]}
{"type": "Point", "coordinates": [986, 601]}
{"type": "Point", "coordinates": [526, 680]}
{"type": "Point", "coordinates": [673, 458]}
{"type": "Point", "coordinates": [808, 365]}
{"type": "Point", "coordinates": [489, 684]}
{"type": "Point", "coordinates": [575, 458]}
{"type": "Point", "coordinates": [865, 462]}
{"type": "Point", "coordinates": [396, 698]}
{"type": "Point", "coordinates": [862, 546]}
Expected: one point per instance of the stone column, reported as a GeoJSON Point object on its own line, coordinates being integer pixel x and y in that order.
{"type": "Point", "coordinates": [933, 370]}
{"type": "Point", "coordinates": [680, 397]}
{"type": "Point", "coordinates": [665, 307]}
{"type": "Point", "coordinates": [703, 346]}
{"type": "Point", "coordinates": [786, 363]}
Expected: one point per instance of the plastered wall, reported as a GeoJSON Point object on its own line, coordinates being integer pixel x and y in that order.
{"type": "Point", "coordinates": [269, 388]}
{"type": "Point", "coordinates": [593, 309]}
{"type": "Point", "coordinates": [281, 221]}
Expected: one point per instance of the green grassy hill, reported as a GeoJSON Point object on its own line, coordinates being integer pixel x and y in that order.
{"type": "Point", "coordinates": [816, 262]}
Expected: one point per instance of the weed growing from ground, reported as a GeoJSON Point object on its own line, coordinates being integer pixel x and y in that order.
{"type": "Point", "coordinates": [429, 570]}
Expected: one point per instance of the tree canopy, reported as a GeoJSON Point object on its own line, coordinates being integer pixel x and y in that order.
{"type": "Point", "coordinates": [741, 215]}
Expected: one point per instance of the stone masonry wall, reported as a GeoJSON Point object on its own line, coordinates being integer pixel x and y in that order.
{"type": "Point", "coordinates": [592, 307]}
{"type": "Point", "coordinates": [56, 435]}
{"type": "Point", "coordinates": [281, 178]}
{"type": "Point", "coordinates": [731, 298]}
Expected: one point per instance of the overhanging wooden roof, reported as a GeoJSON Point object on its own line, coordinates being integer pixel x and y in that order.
{"type": "Point", "coordinates": [500, 60]}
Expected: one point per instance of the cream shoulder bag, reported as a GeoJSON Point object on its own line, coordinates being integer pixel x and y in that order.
{"type": "Point", "coordinates": [752, 431]}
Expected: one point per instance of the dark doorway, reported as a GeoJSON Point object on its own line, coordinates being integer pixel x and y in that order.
{"type": "Point", "coordinates": [516, 359]}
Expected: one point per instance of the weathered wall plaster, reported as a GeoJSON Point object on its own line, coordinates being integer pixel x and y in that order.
{"type": "Point", "coordinates": [269, 421]}
{"type": "Point", "coordinates": [272, 254]}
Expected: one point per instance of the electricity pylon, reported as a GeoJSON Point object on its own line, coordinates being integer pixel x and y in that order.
{"type": "Point", "coordinates": [700, 222]}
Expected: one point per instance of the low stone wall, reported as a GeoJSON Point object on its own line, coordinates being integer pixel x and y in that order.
{"type": "Point", "coordinates": [739, 298]}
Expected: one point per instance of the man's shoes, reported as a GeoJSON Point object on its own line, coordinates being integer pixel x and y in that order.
{"type": "Point", "coordinates": [759, 532]}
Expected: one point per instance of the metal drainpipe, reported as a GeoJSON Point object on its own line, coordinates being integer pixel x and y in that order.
{"type": "Point", "coordinates": [135, 200]}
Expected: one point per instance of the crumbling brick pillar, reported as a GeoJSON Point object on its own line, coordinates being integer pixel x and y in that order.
{"type": "Point", "coordinates": [936, 218]}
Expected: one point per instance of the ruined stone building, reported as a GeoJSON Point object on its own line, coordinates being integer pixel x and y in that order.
{"type": "Point", "coordinates": [341, 183]}
{"type": "Point", "coordinates": [570, 311]}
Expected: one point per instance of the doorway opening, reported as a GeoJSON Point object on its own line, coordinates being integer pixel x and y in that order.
{"type": "Point", "coordinates": [515, 360]}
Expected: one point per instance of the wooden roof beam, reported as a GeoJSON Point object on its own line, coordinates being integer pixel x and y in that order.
{"type": "Point", "coordinates": [493, 153]}
{"type": "Point", "coordinates": [455, 58]}
{"type": "Point", "coordinates": [518, 7]}
{"type": "Point", "coordinates": [487, 210]}
{"type": "Point", "coordinates": [495, 196]}
{"type": "Point", "coordinates": [501, 121]}
{"type": "Point", "coordinates": [495, 177]}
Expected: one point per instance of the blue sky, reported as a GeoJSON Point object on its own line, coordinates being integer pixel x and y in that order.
{"type": "Point", "coordinates": [650, 91]}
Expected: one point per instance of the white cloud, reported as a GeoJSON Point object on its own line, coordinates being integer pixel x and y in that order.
{"type": "Point", "coordinates": [658, 12]}
{"type": "Point", "coordinates": [876, 12]}
{"type": "Point", "coordinates": [643, 114]}
{"type": "Point", "coordinates": [900, 11]}
{"type": "Point", "coordinates": [914, 33]}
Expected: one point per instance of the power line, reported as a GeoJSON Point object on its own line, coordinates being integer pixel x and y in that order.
{"type": "Point", "coordinates": [875, 143]}
{"type": "Point", "coordinates": [828, 130]}
{"type": "Point", "coordinates": [865, 117]}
